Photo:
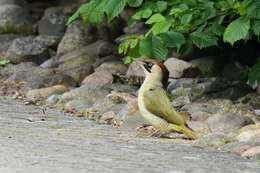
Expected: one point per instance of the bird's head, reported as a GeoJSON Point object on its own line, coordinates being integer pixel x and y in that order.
{"type": "Point", "coordinates": [155, 70]}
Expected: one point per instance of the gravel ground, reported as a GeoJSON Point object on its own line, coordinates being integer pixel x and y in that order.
{"type": "Point", "coordinates": [33, 142]}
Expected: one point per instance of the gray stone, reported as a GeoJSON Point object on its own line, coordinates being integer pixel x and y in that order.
{"type": "Point", "coordinates": [233, 71]}
{"type": "Point", "coordinates": [80, 63]}
{"type": "Point", "coordinates": [15, 19]}
{"type": "Point", "coordinates": [64, 141]}
{"type": "Point", "coordinates": [249, 133]}
{"type": "Point", "coordinates": [98, 78]}
{"type": "Point", "coordinates": [27, 49]}
{"type": "Point", "coordinates": [36, 77]}
{"type": "Point", "coordinates": [103, 75]}
{"type": "Point", "coordinates": [44, 93]}
{"type": "Point", "coordinates": [50, 63]}
{"type": "Point", "coordinates": [227, 122]}
{"type": "Point", "coordinates": [179, 68]}
{"type": "Point", "coordinates": [77, 105]}
{"type": "Point", "coordinates": [207, 65]}
{"type": "Point", "coordinates": [114, 67]}
{"type": "Point", "coordinates": [53, 22]}
{"type": "Point", "coordinates": [52, 100]}
{"type": "Point", "coordinates": [215, 140]}
{"type": "Point", "coordinates": [89, 93]}
{"type": "Point", "coordinates": [201, 111]}
{"type": "Point", "coordinates": [49, 41]}
{"type": "Point", "coordinates": [5, 41]}
{"type": "Point", "coordinates": [76, 36]}
{"type": "Point", "coordinates": [20, 3]}
{"type": "Point", "coordinates": [213, 87]}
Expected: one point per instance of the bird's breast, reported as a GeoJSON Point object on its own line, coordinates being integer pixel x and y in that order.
{"type": "Point", "coordinates": [154, 120]}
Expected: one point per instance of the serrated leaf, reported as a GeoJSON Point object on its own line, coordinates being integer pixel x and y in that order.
{"type": "Point", "coordinates": [216, 29]}
{"type": "Point", "coordinates": [84, 9]}
{"type": "Point", "coordinates": [173, 39]}
{"type": "Point", "coordinates": [155, 18]}
{"type": "Point", "coordinates": [135, 3]}
{"type": "Point", "coordinates": [237, 30]}
{"type": "Point", "coordinates": [203, 40]}
{"type": "Point", "coordinates": [186, 18]}
{"type": "Point", "coordinates": [143, 13]}
{"type": "Point", "coordinates": [114, 8]}
{"type": "Point", "coordinates": [256, 27]}
{"type": "Point", "coordinates": [161, 6]}
{"type": "Point", "coordinates": [253, 9]}
{"type": "Point", "coordinates": [153, 47]}
{"type": "Point", "coordinates": [161, 27]}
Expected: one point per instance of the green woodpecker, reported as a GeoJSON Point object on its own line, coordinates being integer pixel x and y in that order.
{"type": "Point", "coordinates": [154, 104]}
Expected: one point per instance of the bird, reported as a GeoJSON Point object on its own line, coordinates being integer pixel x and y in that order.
{"type": "Point", "coordinates": [154, 104]}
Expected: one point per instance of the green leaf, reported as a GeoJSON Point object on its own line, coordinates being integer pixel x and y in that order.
{"type": "Point", "coordinates": [143, 13]}
{"type": "Point", "coordinates": [237, 30]}
{"type": "Point", "coordinates": [203, 40]}
{"type": "Point", "coordinates": [161, 6]}
{"type": "Point", "coordinates": [153, 47]}
{"type": "Point", "coordinates": [256, 27]}
{"type": "Point", "coordinates": [155, 18]}
{"type": "Point", "coordinates": [161, 27]}
{"type": "Point", "coordinates": [186, 18]}
{"type": "Point", "coordinates": [128, 60]}
{"type": "Point", "coordinates": [135, 3]}
{"type": "Point", "coordinates": [216, 29]}
{"type": "Point", "coordinates": [253, 9]}
{"type": "Point", "coordinates": [114, 8]}
{"type": "Point", "coordinates": [83, 10]}
{"type": "Point", "coordinates": [173, 39]}
{"type": "Point", "coordinates": [4, 62]}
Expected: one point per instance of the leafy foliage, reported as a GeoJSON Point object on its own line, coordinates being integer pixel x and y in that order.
{"type": "Point", "coordinates": [178, 24]}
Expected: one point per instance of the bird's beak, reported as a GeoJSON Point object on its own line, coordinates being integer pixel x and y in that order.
{"type": "Point", "coordinates": [144, 65]}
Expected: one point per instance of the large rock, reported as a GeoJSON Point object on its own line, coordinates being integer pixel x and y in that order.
{"type": "Point", "coordinates": [228, 122]}
{"type": "Point", "coordinates": [98, 78]}
{"type": "Point", "coordinates": [43, 93]}
{"type": "Point", "coordinates": [27, 49]}
{"type": "Point", "coordinates": [76, 36]}
{"type": "Point", "coordinates": [179, 68]}
{"type": "Point", "coordinates": [20, 3]}
{"type": "Point", "coordinates": [5, 41]}
{"type": "Point", "coordinates": [208, 66]}
{"type": "Point", "coordinates": [135, 73]}
{"type": "Point", "coordinates": [104, 73]}
{"type": "Point", "coordinates": [15, 19]}
{"type": "Point", "coordinates": [80, 63]}
{"type": "Point", "coordinates": [213, 87]}
{"type": "Point", "coordinates": [249, 133]}
{"type": "Point", "coordinates": [91, 93]}
{"type": "Point", "coordinates": [36, 77]}
{"type": "Point", "coordinates": [53, 22]}
{"type": "Point", "coordinates": [253, 152]}
{"type": "Point", "coordinates": [76, 64]}
{"type": "Point", "coordinates": [196, 88]}
{"type": "Point", "coordinates": [233, 71]}
{"type": "Point", "coordinates": [49, 41]}
{"type": "Point", "coordinates": [201, 111]}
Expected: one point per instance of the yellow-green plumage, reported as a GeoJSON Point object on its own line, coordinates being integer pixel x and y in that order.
{"type": "Point", "coordinates": [156, 108]}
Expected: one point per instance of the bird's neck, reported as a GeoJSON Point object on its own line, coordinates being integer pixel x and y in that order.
{"type": "Point", "coordinates": [151, 82]}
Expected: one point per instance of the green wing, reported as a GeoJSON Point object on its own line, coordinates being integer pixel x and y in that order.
{"type": "Point", "coordinates": [157, 102]}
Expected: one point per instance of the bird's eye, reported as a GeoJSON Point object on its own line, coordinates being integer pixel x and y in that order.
{"type": "Point", "coordinates": [150, 65]}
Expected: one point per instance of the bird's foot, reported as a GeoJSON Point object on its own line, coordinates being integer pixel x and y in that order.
{"type": "Point", "coordinates": [145, 130]}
